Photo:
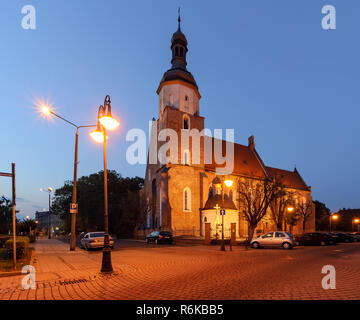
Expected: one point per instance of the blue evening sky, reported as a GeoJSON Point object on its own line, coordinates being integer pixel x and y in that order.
{"type": "Point", "coordinates": [265, 68]}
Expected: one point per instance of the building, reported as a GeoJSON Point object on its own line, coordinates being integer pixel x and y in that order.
{"type": "Point", "coordinates": [181, 195]}
{"type": "Point", "coordinates": [42, 218]}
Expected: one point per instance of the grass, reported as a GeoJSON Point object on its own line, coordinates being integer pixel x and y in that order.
{"type": "Point", "coordinates": [6, 264]}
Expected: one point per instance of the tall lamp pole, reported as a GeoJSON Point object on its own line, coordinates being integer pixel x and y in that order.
{"type": "Point", "coordinates": [49, 190]}
{"type": "Point", "coordinates": [47, 111]}
{"type": "Point", "coordinates": [105, 121]}
{"type": "Point", "coordinates": [227, 183]}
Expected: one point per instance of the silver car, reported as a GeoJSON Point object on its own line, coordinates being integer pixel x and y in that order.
{"type": "Point", "coordinates": [274, 239]}
{"type": "Point", "coordinates": [92, 240]}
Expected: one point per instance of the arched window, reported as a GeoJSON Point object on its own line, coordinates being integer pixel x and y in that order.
{"type": "Point", "coordinates": [187, 199]}
{"type": "Point", "coordinates": [186, 122]}
{"type": "Point", "coordinates": [211, 192]}
{"type": "Point", "coordinates": [186, 158]}
{"type": "Point", "coordinates": [181, 51]}
{"type": "Point", "coordinates": [171, 100]}
{"type": "Point", "coordinates": [176, 51]}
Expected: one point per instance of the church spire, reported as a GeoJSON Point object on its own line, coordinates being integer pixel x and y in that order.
{"type": "Point", "coordinates": [179, 18]}
{"type": "Point", "coordinates": [179, 47]}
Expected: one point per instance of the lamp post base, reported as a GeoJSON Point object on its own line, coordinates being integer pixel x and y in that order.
{"type": "Point", "coordinates": [106, 266]}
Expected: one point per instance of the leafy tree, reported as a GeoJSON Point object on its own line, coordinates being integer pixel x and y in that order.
{"type": "Point", "coordinates": [5, 215]}
{"type": "Point", "coordinates": [256, 196]}
{"type": "Point", "coordinates": [123, 201]}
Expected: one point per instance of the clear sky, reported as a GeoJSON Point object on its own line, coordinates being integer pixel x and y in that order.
{"type": "Point", "coordinates": [265, 68]}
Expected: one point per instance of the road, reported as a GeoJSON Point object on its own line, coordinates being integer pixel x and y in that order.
{"type": "Point", "coordinates": [189, 272]}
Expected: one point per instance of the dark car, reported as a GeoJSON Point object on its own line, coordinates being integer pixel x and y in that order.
{"type": "Point", "coordinates": [355, 235]}
{"type": "Point", "coordinates": [159, 237]}
{"type": "Point", "coordinates": [341, 237]}
{"type": "Point", "coordinates": [314, 238]}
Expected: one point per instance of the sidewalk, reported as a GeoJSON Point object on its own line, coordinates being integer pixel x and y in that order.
{"type": "Point", "coordinates": [53, 261]}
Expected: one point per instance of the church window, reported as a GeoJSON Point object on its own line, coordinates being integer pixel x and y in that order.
{"type": "Point", "coordinates": [211, 192]}
{"type": "Point", "coordinates": [186, 122]}
{"type": "Point", "coordinates": [176, 51]}
{"type": "Point", "coordinates": [171, 100]}
{"type": "Point", "coordinates": [187, 199]}
{"type": "Point", "coordinates": [181, 52]}
{"type": "Point", "coordinates": [186, 158]}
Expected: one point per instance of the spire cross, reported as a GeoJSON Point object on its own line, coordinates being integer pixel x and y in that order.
{"type": "Point", "coordinates": [179, 19]}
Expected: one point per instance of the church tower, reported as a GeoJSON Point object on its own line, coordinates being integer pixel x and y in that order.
{"type": "Point", "coordinates": [179, 94]}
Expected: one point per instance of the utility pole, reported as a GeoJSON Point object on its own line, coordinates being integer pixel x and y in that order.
{"type": "Point", "coordinates": [13, 176]}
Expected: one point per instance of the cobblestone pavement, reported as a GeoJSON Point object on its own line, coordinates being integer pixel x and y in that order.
{"type": "Point", "coordinates": [188, 272]}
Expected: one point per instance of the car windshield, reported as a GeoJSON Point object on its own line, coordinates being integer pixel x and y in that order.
{"type": "Point", "coordinates": [289, 235]}
{"type": "Point", "coordinates": [97, 235]}
{"type": "Point", "coordinates": [164, 233]}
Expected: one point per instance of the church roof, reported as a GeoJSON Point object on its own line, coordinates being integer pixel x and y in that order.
{"type": "Point", "coordinates": [246, 160]}
{"type": "Point", "coordinates": [212, 201]}
{"type": "Point", "coordinates": [291, 179]}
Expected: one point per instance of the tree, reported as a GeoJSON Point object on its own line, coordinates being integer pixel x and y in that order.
{"type": "Point", "coordinates": [304, 208]}
{"type": "Point", "coordinates": [256, 196]}
{"type": "Point", "coordinates": [5, 215]}
{"type": "Point", "coordinates": [123, 201]}
{"type": "Point", "coordinates": [278, 206]}
{"type": "Point", "coordinates": [322, 216]}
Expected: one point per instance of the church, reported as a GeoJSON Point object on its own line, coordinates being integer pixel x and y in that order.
{"type": "Point", "coordinates": [182, 196]}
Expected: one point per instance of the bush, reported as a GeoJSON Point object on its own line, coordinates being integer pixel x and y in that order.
{"type": "Point", "coordinates": [3, 239]}
{"type": "Point", "coordinates": [22, 246]}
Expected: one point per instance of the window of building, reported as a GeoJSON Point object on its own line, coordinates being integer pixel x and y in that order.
{"type": "Point", "coordinates": [186, 122]}
{"type": "Point", "coordinates": [187, 199]}
{"type": "Point", "coordinates": [171, 100]}
{"type": "Point", "coordinates": [181, 51]}
{"type": "Point", "coordinates": [186, 158]}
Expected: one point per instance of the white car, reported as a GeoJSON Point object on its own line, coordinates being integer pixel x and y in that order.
{"type": "Point", "coordinates": [92, 240]}
{"type": "Point", "coordinates": [274, 239]}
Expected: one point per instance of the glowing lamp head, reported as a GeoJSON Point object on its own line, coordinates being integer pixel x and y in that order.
{"type": "Point", "coordinates": [334, 217]}
{"type": "Point", "coordinates": [356, 220]}
{"type": "Point", "coordinates": [50, 189]}
{"type": "Point", "coordinates": [27, 217]}
{"type": "Point", "coordinates": [229, 183]}
{"type": "Point", "coordinates": [290, 209]}
{"type": "Point", "coordinates": [109, 122]}
{"type": "Point", "coordinates": [45, 110]}
{"type": "Point", "coordinates": [97, 135]}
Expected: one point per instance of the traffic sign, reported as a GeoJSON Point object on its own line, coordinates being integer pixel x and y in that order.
{"type": "Point", "coordinates": [222, 212]}
{"type": "Point", "coordinates": [73, 208]}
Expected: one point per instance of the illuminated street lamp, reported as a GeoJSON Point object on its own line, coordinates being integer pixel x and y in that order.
{"type": "Point", "coordinates": [355, 221]}
{"type": "Point", "coordinates": [49, 190]}
{"type": "Point", "coordinates": [105, 121]}
{"type": "Point", "coordinates": [333, 217]}
{"type": "Point", "coordinates": [227, 183]}
{"type": "Point", "coordinates": [47, 111]}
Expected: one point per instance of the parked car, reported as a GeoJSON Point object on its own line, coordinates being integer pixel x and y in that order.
{"type": "Point", "coordinates": [92, 240]}
{"type": "Point", "coordinates": [341, 237]}
{"type": "Point", "coordinates": [317, 238]}
{"type": "Point", "coordinates": [274, 239]}
{"type": "Point", "coordinates": [159, 237]}
{"type": "Point", "coordinates": [355, 235]}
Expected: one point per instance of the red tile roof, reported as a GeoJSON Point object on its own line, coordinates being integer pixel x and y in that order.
{"type": "Point", "coordinates": [291, 179]}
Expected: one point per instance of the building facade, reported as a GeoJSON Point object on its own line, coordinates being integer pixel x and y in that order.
{"type": "Point", "coordinates": [186, 191]}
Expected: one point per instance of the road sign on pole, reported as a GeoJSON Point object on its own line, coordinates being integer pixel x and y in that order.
{"type": "Point", "coordinates": [73, 208]}
{"type": "Point", "coordinates": [222, 212]}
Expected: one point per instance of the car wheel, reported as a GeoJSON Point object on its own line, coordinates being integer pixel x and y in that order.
{"type": "Point", "coordinates": [255, 245]}
{"type": "Point", "coordinates": [323, 243]}
{"type": "Point", "coordinates": [286, 245]}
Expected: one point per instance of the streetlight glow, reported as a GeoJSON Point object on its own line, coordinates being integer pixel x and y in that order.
{"type": "Point", "coordinates": [45, 110]}
{"type": "Point", "coordinates": [334, 217]}
{"type": "Point", "coordinates": [109, 122]}
{"type": "Point", "coordinates": [290, 209]}
{"type": "Point", "coordinates": [356, 220]}
{"type": "Point", "coordinates": [229, 183]}
{"type": "Point", "coordinates": [97, 135]}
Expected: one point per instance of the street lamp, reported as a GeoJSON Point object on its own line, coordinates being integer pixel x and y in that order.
{"type": "Point", "coordinates": [46, 110]}
{"type": "Point", "coordinates": [105, 121]}
{"type": "Point", "coordinates": [49, 190]}
{"type": "Point", "coordinates": [333, 217]}
{"type": "Point", "coordinates": [289, 209]}
{"type": "Point", "coordinates": [357, 221]}
{"type": "Point", "coordinates": [227, 183]}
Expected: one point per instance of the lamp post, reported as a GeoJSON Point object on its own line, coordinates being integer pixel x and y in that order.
{"type": "Point", "coordinates": [227, 183]}
{"type": "Point", "coordinates": [333, 217]}
{"type": "Point", "coordinates": [105, 121]}
{"type": "Point", "coordinates": [289, 209]}
{"type": "Point", "coordinates": [357, 221]}
{"type": "Point", "coordinates": [48, 111]}
{"type": "Point", "coordinates": [49, 190]}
